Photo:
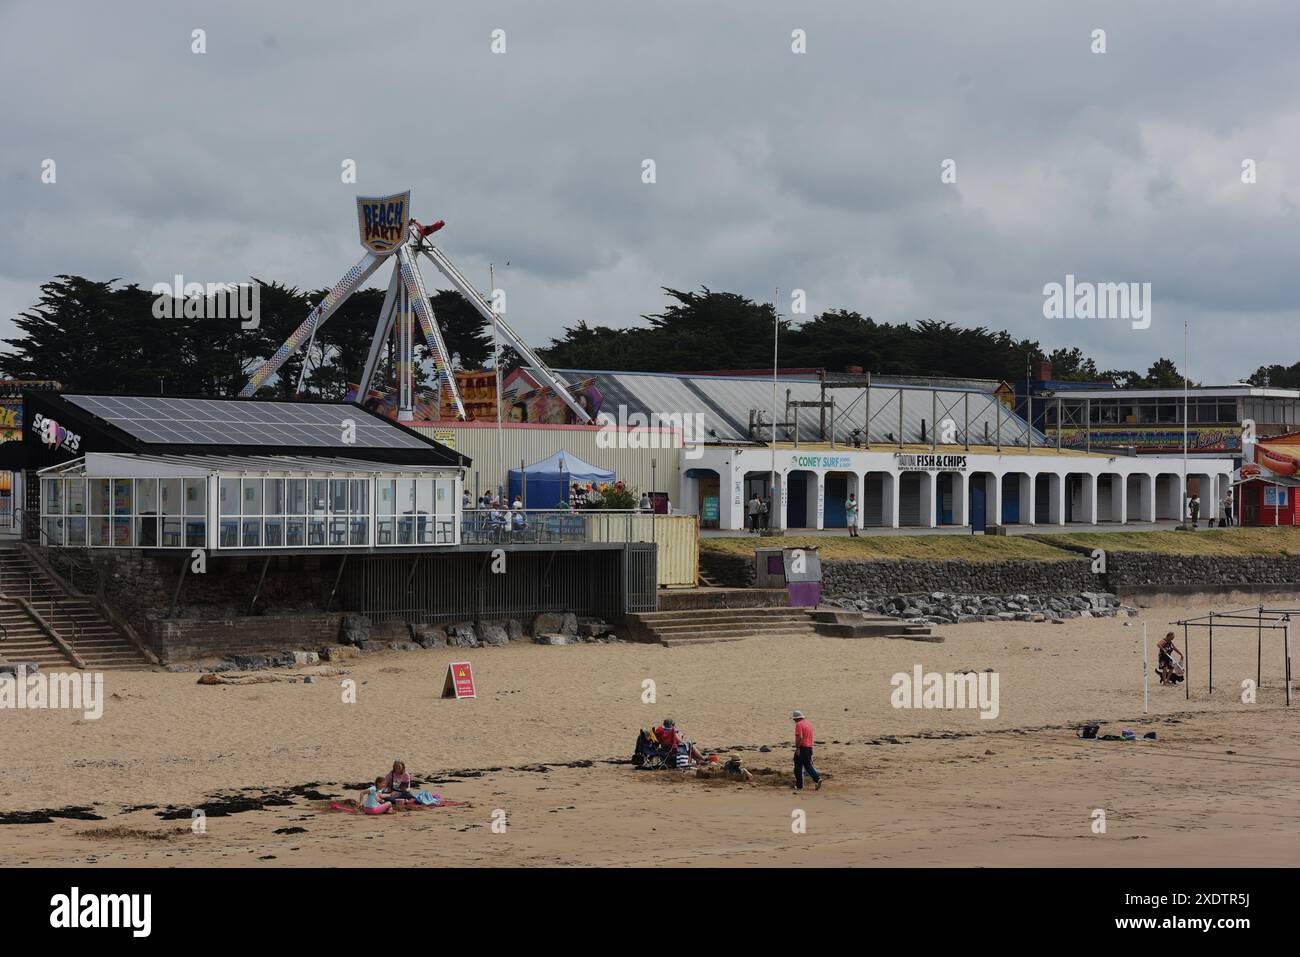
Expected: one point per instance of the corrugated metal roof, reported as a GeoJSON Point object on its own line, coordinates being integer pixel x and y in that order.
{"type": "Point", "coordinates": [725, 403]}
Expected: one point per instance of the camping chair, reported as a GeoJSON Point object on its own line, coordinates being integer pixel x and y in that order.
{"type": "Point", "coordinates": [649, 756]}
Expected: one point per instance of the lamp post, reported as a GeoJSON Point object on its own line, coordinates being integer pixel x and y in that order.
{"type": "Point", "coordinates": [1182, 518]}
{"type": "Point", "coordinates": [496, 371]}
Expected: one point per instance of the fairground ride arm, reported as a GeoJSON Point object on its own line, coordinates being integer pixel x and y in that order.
{"type": "Point", "coordinates": [418, 296]}
{"type": "Point", "coordinates": [530, 358]}
{"type": "Point", "coordinates": [344, 288]}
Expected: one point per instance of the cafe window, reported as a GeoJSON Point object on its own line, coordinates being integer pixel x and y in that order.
{"type": "Point", "coordinates": [121, 512]}
{"type": "Point", "coordinates": [299, 513]}
{"type": "Point", "coordinates": [415, 511]}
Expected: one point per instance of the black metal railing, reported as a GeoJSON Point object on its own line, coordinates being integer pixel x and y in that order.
{"type": "Point", "coordinates": [530, 526]}
{"type": "Point", "coordinates": [80, 574]}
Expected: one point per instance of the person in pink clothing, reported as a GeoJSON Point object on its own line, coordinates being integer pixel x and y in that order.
{"type": "Point", "coordinates": [804, 736]}
{"type": "Point", "coordinates": [397, 784]}
{"type": "Point", "coordinates": [372, 802]}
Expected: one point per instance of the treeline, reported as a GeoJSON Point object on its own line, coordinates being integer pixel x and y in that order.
{"type": "Point", "coordinates": [1277, 376]}
{"type": "Point", "coordinates": [109, 337]}
{"type": "Point", "coordinates": [709, 331]}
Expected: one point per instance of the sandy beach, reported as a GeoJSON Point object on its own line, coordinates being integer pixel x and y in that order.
{"type": "Point", "coordinates": [544, 741]}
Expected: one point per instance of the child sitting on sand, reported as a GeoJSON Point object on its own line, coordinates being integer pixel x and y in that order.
{"type": "Point", "coordinates": [371, 802]}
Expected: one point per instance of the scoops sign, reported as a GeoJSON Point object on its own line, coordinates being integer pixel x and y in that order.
{"type": "Point", "coordinates": [55, 435]}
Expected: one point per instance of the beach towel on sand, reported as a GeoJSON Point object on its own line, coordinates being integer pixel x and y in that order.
{"type": "Point", "coordinates": [412, 805]}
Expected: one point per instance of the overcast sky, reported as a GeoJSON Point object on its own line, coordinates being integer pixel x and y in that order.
{"type": "Point", "coordinates": [818, 171]}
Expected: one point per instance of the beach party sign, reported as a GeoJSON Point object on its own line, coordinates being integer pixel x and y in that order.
{"type": "Point", "coordinates": [460, 681]}
{"type": "Point", "coordinates": [383, 221]}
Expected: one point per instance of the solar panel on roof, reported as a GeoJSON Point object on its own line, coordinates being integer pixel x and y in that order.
{"type": "Point", "coordinates": [242, 422]}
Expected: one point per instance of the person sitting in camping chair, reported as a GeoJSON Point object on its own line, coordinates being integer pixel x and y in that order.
{"type": "Point", "coordinates": [1169, 672]}
{"type": "Point", "coordinates": [673, 743]}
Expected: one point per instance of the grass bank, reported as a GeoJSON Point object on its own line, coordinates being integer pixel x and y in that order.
{"type": "Point", "coordinates": [997, 548]}
{"type": "Point", "coordinates": [1226, 542]}
{"type": "Point", "coordinates": [970, 548]}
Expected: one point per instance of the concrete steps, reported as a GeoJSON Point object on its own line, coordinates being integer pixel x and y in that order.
{"type": "Point", "coordinates": [714, 638]}
{"type": "Point", "coordinates": [22, 641]}
{"type": "Point", "coordinates": [74, 619]}
{"type": "Point", "coordinates": [698, 626]}
{"type": "Point", "coordinates": [708, 599]}
{"type": "Point", "coordinates": [695, 626]}
{"type": "Point", "coordinates": [835, 623]}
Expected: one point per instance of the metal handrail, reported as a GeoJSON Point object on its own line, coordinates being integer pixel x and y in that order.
{"type": "Point", "coordinates": [550, 525]}
{"type": "Point", "coordinates": [36, 535]}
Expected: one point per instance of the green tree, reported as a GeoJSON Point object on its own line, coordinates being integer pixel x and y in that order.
{"type": "Point", "coordinates": [1277, 376]}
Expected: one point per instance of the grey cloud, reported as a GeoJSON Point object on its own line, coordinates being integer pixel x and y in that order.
{"type": "Point", "coordinates": [818, 171]}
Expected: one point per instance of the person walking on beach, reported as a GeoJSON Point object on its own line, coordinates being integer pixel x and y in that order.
{"type": "Point", "coordinates": [752, 509]}
{"type": "Point", "coordinates": [1194, 508]}
{"type": "Point", "coordinates": [1165, 651]}
{"type": "Point", "coordinates": [851, 514]}
{"type": "Point", "coordinates": [1227, 507]}
{"type": "Point", "coordinates": [803, 752]}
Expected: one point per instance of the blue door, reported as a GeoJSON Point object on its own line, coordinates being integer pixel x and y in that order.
{"type": "Point", "coordinates": [837, 492]}
{"type": "Point", "coordinates": [1010, 499]}
{"type": "Point", "coordinates": [943, 502]}
{"type": "Point", "coordinates": [796, 509]}
{"type": "Point", "coordinates": [977, 505]}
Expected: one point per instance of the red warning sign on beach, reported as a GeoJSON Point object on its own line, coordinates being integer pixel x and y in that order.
{"type": "Point", "coordinates": [460, 681]}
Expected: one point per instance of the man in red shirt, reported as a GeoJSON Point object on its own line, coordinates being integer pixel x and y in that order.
{"type": "Point", "coordinates": [671, 741]}
{"type": "Point", "coordinates": [804, 736]}
{"type": "Point", "coordinates": [667, 736]}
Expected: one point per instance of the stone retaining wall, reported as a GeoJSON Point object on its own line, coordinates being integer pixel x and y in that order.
{"type": "Point", "coordinates": [1127, 573]}
{"type": "Point", "coordinates": [1129, 570]}
{"type": "Point", "coordinates": [845, 579]}
{"type": "Point", "coordinates": [728, 571]}
{"type": "Point", "coordinates": [140, 587]}
{"type": "Point", "coordinates": [188, 639]}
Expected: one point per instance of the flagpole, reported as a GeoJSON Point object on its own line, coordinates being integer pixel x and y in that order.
{"type": "Point", "coordinates": [771, 484]}
{"type": "Point", "coordinates": [1146, 681]}
{"type": "Point", "coordinates": [496, 370]}
{"type": "Point", "coordinates": [1186, 496]}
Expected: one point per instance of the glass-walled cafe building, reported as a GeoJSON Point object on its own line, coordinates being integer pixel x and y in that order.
{"type": "Point", "coordinates": [159, 472]}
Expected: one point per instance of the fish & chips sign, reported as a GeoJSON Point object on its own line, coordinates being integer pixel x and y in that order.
{"type": "Point", "coordinates": [383, 220]}
{"type": "Point", "coordinates": [932, 463]}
